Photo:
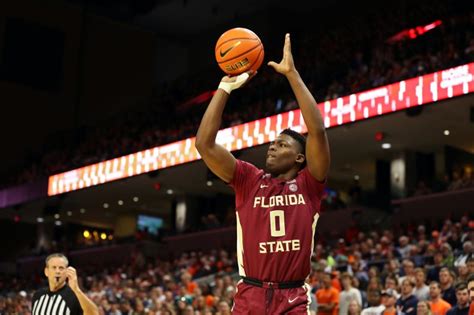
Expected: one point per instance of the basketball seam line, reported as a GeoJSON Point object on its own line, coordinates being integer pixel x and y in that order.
{"type": "Point", "coordinates": [237, 38]}
{"type": "Point", "coordinates": [245, 52]}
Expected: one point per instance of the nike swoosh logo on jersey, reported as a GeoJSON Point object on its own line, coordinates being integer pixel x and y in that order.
{"type": "Point", "coordinates": [263, 186]}
{"type": "Point", "coordinates": [292, 300]}
{"type": "Point", "coordinates": [225, 52]}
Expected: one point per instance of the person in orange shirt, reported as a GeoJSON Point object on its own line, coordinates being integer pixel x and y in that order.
{"type": "Point", "coordinates": [327, 297]}
{"type": "Point", "coordinates": [389, 299]}
{"type": "Point", "coordinates": [190, 285]}
{"type": "Point", "coordinates": [470, 289]}
{"type": "Point", "coordinates": [438, 305]}
{"type": "Point", "coordinates": [335, 280]}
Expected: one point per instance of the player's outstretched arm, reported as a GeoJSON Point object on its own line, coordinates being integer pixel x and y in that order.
{"type": "Point", "coordinates": [317, 146]}
{"type": "Point", "coordinates": [219, 160]}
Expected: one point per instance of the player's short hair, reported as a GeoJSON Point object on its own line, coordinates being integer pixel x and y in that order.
{"type": "Point", "coordinates": [298, 137]}
{"type": "Point", "coordinates": [54, 255]}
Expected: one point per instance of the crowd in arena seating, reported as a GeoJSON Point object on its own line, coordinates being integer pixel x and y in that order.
{"type": "Point", "coordinates": [336, 66]}
{"type": "Point", "coordinates": [417, 267]}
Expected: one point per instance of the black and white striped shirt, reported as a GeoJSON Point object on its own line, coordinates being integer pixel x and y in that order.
{"type": "Point", "coordinates": [61, 302]}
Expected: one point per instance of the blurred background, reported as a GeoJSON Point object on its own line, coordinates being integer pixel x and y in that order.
{"type": "Point", "coordinates": [83, 82]}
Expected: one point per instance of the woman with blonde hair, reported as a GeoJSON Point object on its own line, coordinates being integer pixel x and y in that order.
{"type": "Point", "coordinates": [423, 308]}
{"type": "Point", "coordinates": [354, 308]}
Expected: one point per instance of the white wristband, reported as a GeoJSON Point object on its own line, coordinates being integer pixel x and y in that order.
{"type": "Point", "coordinates": [230, 86]}
{"type": "Point", "coordinates": [226, 87]}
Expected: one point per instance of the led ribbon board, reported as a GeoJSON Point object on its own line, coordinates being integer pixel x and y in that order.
{"type": "Point", "coordinates": [355, 107]}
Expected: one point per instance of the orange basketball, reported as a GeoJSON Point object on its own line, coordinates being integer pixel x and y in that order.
{"type": "Point", "coordinates": [239, 50]}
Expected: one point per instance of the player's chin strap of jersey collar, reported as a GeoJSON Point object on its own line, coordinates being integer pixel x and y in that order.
{"type": "Point", "coordinates": [273, 285]}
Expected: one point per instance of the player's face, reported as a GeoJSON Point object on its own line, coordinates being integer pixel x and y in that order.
{"type": "Point", "coordinates": [283, 154]}
{"type": "Point", "coordinates": [56, 271]}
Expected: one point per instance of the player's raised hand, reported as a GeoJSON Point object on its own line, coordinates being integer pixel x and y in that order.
{"type": "Point", "coordinates": [286, 64]}
{"type": "Point", "coordinates": [230, 83]}
{"type": "Point", "coordinates": [71, 275]}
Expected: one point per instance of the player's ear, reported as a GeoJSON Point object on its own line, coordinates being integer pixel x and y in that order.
{"type": "Point", "coordinates": [46, 271]}
{"type": "Point", "coordinates": [300, 158]}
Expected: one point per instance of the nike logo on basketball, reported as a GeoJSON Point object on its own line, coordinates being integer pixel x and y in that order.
{"type": "Point", "coordinates": [263, 186]}
{"type": "Point", "coordinates": [292, 300]}
{"type": "Point", "coordinates": [225, 52]}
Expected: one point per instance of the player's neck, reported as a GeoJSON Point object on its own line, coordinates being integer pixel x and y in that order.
{"type": "Point", "coordinates": [289, 175]}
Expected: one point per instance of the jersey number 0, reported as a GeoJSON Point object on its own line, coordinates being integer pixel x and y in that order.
{"type": "Point", "coordinates": [277, 215]}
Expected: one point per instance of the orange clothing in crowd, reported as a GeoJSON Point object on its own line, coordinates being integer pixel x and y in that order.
{"type": "Point", "coordinates": [471, 309]}
{"type": "Point", "coordinates": [336, 284]}
{"type": "Point", "coordinates": [441, 307]}
{"type": "Point", "coordinates": [392, 312]}
{"type": "Point", "coordinates": [327, 296]}
{"type": "Point", "coordinates": [191, 286]}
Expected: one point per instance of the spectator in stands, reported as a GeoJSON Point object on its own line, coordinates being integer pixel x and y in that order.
{"type": "Point", "coordinates": [404, 246]}
{"type": "Point", "coordinates": [186, 281]}
{"type": "Point", "coordinates": [422, 291]}
{"type": "Point", "coordinates": [348, 294]}
{"type": "Point", "coordinates": [374, 303]}
{"type": "Point", "coordinates": [462, 298]}
{"type": "Point", "coordinates": [327, 296]}
{"type": "Point", "coordinates": [446, 282]}
{"type": "Point", "coordinates": [437, 304]}
{"type": "Point", "coordinates": [463, 273]}
{"type": "Point", "coordinates": [354, 308]}
{"type": "Point", "coordinates": [389, 300]}
{"type": "Point", "coordinates": [408, 270]}
{"type": "Point", "coordinates": [467, 251]}
{"type": "Point", "coordinates": [470, 288]}
{"type": "Point", "coordinates": [470, 264]}
{"type": "Point", "coordinates": [391, 283]}
{"type": "Point", "coordinates": [423, 308]}
{"type": "Point", "coordinates": [407, 301]}
{"type": "Point", "coordinates": [433, 272]}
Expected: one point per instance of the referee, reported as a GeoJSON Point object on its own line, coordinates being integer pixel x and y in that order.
{"type": "Point", "coordinates": [63, 295]}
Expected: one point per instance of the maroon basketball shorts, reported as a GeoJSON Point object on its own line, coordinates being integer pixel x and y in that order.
{"type": "Point", "coordinates": [251, 299]}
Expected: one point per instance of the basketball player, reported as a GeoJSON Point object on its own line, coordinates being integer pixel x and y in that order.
{"type": "Point", "coordinates": [63, 295]}
{"type": "Point", "coordinates": [277, 210]}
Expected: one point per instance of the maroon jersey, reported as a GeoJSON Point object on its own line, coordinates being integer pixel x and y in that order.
{"type": "Point", "coordinates": [276, 221]}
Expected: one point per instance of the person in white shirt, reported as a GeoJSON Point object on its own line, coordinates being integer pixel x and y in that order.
{"type": "Point", "coordinates": [421, 291]}
{"type": "Point", "coordinates": [374, 299]}
{"type": "Point", "coordinates": [348, 294]}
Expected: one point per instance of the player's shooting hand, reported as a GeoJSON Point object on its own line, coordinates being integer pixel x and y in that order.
{"type": "Point", "coordinates": [71, 275]}
{"type": "Point", "coordinates": [234, 78]}
{"type": "Point", "coordinates": [286, 64]}
{"type": "Point", "coordinates": [230, 83]}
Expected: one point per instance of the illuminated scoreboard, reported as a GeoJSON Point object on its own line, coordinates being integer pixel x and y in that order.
{"type": "Point", "coordinates": [355, 107]}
